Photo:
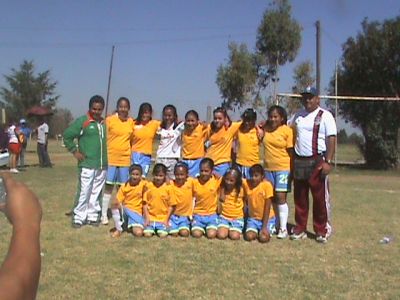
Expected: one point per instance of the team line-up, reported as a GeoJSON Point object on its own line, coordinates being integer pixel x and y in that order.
{"type": "Point", "coordinates": [199, 185]}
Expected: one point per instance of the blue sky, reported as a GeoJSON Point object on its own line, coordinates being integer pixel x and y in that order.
{"type": "Point", "coordinates": [166, 51]}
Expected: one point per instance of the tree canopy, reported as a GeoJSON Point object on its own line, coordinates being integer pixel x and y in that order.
{"type": "Point", "coordinates": [370, 66]}
{"type": "Point", "coordinates": [27, 89]}
{"type": "Point", "coordinates": [246, 75]}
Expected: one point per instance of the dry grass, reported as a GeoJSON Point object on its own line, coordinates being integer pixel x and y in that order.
{"type": "Point", "coordinates": [88, 264]}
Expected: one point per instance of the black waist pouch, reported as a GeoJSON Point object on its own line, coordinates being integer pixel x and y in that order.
{"type": "Point", "coordinates": [303, 168]}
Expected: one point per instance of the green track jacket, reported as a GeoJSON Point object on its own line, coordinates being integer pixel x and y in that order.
{"type": "Point", "coordinates": [91, 136]}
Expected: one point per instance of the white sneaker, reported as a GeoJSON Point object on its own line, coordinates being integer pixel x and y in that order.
{"type": "Point", "coordinates": [282, 234]}
{"type": "Point", "coordinates": [15, 171]}
{"type": "Point", "coordinates": [321, 239]}
{"type": "Point", "coordinates": [299, 236]}
{"type": "Point", "coordinates": [104, 220]}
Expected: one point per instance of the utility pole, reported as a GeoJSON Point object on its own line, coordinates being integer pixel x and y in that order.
{"type": "Point", "coordinates": [109, 79]}
{"type": "Point", "coordinates": [318, 63]}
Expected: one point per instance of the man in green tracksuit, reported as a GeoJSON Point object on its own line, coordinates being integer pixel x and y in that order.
{"type": "Point", "coordinates": [91, 153]}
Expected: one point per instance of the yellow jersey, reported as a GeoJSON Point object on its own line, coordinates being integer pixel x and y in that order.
{"type": "Point", "coordinates": [221, 143]}
{"type": "Point", "coordinates": [119, 138]}
{"type": "Point", "coordinates": [193, 143]}
{"type": "Point", "coordinates": [143, 137]}
{"type": "Point", "coordinates": [206, 196]}
{"type": "Point", "coordinates": [158, 200]}
{"type": "Point", "coordinates": [276, 145]}
{"type": "Point", "coordinates": [257, 197]}
{"type": "Point", "coordinates": [183, 196]}
{"type": "Point", "coordinates": [232, 207]}
{"type": "Point", "coordinates": [248, 148]}
{"type": "Point", "coordinates": [131, 196]}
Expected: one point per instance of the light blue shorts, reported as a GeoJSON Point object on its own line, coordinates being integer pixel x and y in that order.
{"type": "Point", "coordinates": [234, 224]}
{"type": "Point", "coordinates": [256, 225]}
{"type": "Point", "coordinates": [134, 219]}
{"type": "Point", "coordinates": [156, 227]}
{"type": "Point", "coordinates": [204, 223]}
{"type": "Point", "coordinates": [244, 170]}
{"type": "Point", "coordinates": [178, 223]}
{"type": "Point", "coordinates": [143, 160]}
{"type": "Point", "coordinates": [221, 169]}
{"type": "Point", "coordinates": [280, 180]}
{"type": "Point", "coordinates": [194, 166]}
{"type": "Point", "coordinates": [117, 175]}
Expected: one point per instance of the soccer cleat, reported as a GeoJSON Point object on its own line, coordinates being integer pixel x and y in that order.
{"type": "Point", "coordinates": [76, 225]}
{"type": "Point", "coordinates": [93, 223]}
{"type": "Point", "coordinates": [321, 239]}
{"type": "Point", "coordinates": [15, 171]}
{"type": "Point", "coordinates": [116, 234]}
{"type": "Point", "coordinates": [104, 220]}
{"type": "Point", "coordinates": [282, 234]}
{"type": "Point", "coordinates": [298, 236]}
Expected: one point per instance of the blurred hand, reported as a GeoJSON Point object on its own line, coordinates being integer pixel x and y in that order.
{"type": "Point", "coordinates": [79, 156]}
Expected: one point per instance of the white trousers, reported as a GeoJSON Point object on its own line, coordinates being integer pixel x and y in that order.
{"type": "Point", "coordinates": [88, 196]}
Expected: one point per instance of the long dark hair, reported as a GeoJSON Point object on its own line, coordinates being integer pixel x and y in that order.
{"type": "Point", "coordinates": [145, 106]}
{"type": "Point", "coordinates": [173, 108]}
{"type": "Point", "coordinates": [235, 172]}
{"type": "Point", "coordinates": [215, 111]}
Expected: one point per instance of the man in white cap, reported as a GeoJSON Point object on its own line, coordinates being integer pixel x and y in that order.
{"type": "Point", "coordinates": [26, 131]}
{"type": "Point", "coordinates": [314, 148]}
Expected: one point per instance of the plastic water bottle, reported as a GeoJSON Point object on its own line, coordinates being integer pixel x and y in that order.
{"type": "Point", "coordinates": [386, 240]}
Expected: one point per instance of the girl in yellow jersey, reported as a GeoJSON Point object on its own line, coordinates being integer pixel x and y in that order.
{"type": "Point", "coordinates": [158, 204]}
{"type": "Point", "coordinates": [119, 128]}
{"type": "Point", "coordinates": [182, 193]}
{"type": "Point", "coordinates": [259, 195]}
{"type": "Point", "coordinates": [144, 132]}
{"type": "Point", "coordinates": [205, 193]}
{"type": "Point", "coordinates": [130, 197]}
{"type": "Point", "coordinates": [278, 154]}
{"type": "Point", "coordinates": [193, 138]}
{"type": "Point", "coordinates": [220, 138]}
{"type": "Point", "coordinates": [248, 142]}
{"type": "Point", "coordinates": [231, 208]}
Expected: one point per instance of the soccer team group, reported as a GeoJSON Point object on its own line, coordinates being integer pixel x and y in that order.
{"type": "Point", "coordinates": [207, 179]}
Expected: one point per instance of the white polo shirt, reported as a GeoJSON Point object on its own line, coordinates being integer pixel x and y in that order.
{"type": "Point", "coordinates": [303, 123]}
{"type": "Point", "coordinates": [42, 131]}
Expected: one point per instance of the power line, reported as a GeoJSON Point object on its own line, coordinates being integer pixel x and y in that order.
{"type": "Point", "coordinates": [123, 43]}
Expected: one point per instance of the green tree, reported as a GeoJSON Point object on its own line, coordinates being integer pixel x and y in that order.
{"type": "Point", "coordinates": [60, 121]}
{"type": "Point", "coordinates": [302, 77]}
{"type": "Point", "coordinates": [370, 66]}
{"type": "Point", "coordinates": [27, 89]}
{"type": "Point", "coordinates": [236, 79]}
{"type": "Point", "coordinates": [246, 75]}
{"type": "Point", "coordinates": [278, 38]}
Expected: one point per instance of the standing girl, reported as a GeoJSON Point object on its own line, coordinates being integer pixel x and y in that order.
{"type": "Point", "coordinates": [144, 132]}
{"type": "Point", "coordinates": [169, 148]}
{"type": "Point", "coordinates": [205, 193]}
{"type": "Point", "coordinates": [158, 204]}
{"type": "Point", "coordinates": [278, 157]}
{"type": "Point", "coordinates": [119, 128]}
{"type": "Point", "coordinates": [248, 142]}
{"type": "Point", "coordinates": [220, 136]}
{"type": "Point", "coordinates": [193, 138]}
{"type": "Point", "coordinates": [231, 206]}
{"type": "Point", "coordinates": [130, 196]}
{"type": "Point", "coordinates": [182, 192]}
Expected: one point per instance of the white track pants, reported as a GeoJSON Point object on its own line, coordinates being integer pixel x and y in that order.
{"type": "Point", "coordinates": [88, 196]}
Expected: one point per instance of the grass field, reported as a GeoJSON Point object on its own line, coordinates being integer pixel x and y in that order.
{"type": "Point", "coordinates": [88, 264]}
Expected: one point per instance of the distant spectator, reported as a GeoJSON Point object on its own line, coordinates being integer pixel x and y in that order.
{"type": "Point", "coordinates": [14, 146]}
{"type": "Point", "coordinates": [3, 139]}
{"type": "Point", "coordinates": [26, 131]}
{"type": "Point", "coordinates": [42, 142]}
